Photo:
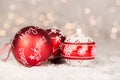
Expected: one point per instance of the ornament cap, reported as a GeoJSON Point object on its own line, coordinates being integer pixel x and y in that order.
{"type": "Point", "coordinates": [78, 30]}
{"type": "Point", "coordinates": [79, 37]}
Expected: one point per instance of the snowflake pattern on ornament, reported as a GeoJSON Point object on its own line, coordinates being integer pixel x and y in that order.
{"type": "Point", "coordinates": [93, 51]}
{"type": "Point", "coordinates": [36, 55]}
{"type": "Point", "coordinates": [22, 56]}
{"type": "Point", "coordinates": [68, 50]}
{"type": "Point", "coordinates": [57, 38]}
{"type": "Point", "coordinates": [54, 30]}
{"type": "Point", "coordinates": [82, 51]}
{"type": "Point", "coordinates": [37, 50]}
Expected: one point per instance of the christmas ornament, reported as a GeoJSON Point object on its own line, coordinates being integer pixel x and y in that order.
{"type": "Point", "coordinates": [57, 38]}
{"type": "Point", "coordinates": [31, 46]}
{"type": "Point", "coordinates": [78, 49]}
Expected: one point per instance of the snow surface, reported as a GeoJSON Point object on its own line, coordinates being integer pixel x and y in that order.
{"type": "Point", "coordinates": [105, 67]}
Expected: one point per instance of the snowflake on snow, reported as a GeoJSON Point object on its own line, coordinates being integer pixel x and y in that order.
{"type": "Point", "coordinates": [67, 50]}
{"type": "Point", "coordinates": [93, 51]}
{"type": "Point", "coordinates": [82, 51]}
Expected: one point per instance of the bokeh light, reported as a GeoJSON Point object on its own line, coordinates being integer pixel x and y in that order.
{"type": "Point", "coordinates": [101, 18]}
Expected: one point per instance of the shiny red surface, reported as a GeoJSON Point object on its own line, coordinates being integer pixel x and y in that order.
{"type": "Point", "coordinates": [31, 41]}
{"type": "Point", "coordinates": [56, 50]}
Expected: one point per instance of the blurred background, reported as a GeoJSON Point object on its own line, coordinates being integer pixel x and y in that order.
{"type": "Point", "coordinates": [100, 19]}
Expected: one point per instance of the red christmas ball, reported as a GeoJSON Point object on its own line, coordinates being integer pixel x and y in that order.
{"type": "Point", "coordinates": [57, 38]}
{"type": "Point", "coordinates": [31, 46]}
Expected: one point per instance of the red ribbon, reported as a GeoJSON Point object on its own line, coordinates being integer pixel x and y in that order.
{"type": "Point", "coordinates": [3, 49]}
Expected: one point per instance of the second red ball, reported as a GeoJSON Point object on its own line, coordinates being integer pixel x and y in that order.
{"type": "Point", "coordinates": [57, 38]}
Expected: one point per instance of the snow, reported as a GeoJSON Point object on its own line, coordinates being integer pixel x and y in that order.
{"type": "Point", "coordinates": [106, 67]}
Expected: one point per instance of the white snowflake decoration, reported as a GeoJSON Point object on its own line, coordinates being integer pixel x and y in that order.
{"type": "Point", "coordinates": [82, 51]}
{"type": "Point", "coordinates": [57, 38]}
{"type": "Point", "coordinates": [68, 50]}
{"type": "Point", "coordinates": [53, 30]}
{"type": "Point", "coordinates": [37, 50]}
{"type": "Point", "coordinates": [37, 54]}
{"type": "Point", "coordinates": [93, 51]}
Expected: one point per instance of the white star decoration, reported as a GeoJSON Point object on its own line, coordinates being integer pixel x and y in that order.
{"type": "Point", "coordinates": [68, 50]}
{"type": "Point", "coordinates": [54, 30]}
{"type": "Point", "coordinates": [32, 57]}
